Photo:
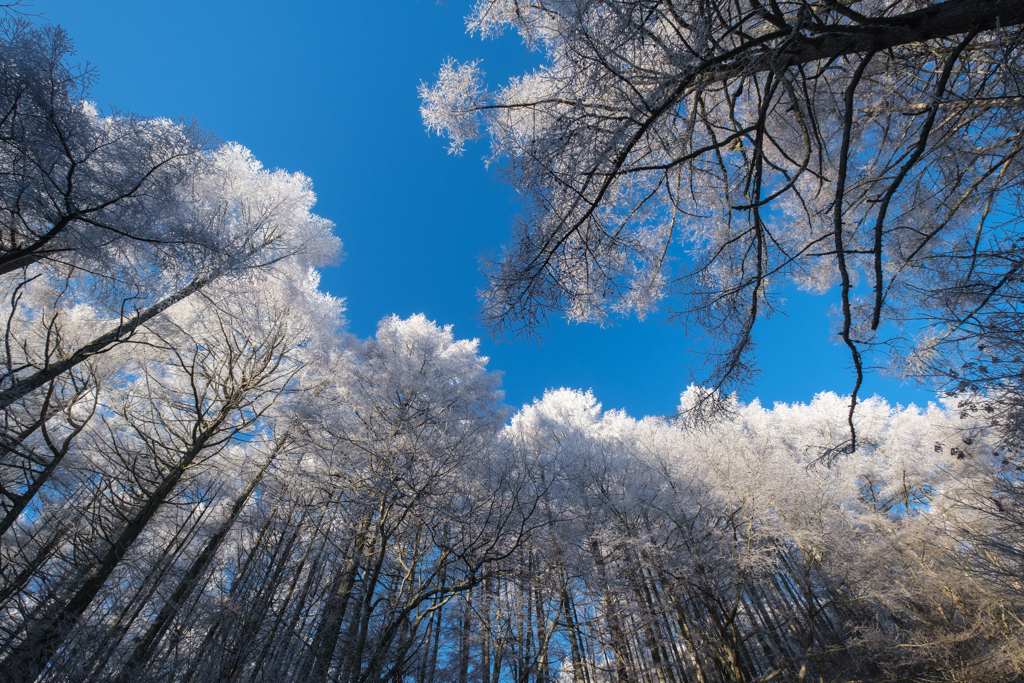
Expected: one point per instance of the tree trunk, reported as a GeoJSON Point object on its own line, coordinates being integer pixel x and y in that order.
{"type": "Point", "coordinates": [101, 654]}
{"type": "Point", "coordinates": [146, 647]}
{"type": "Point", "coordinates": [485, 632]}
{"type": "Point", "coordinates": [464, 639]}
{"type": "Point", "coordinates": [28, 659]}
{"type": "Point", "coordinates": [208, 641]}
{"type": "Point", "coordinates": [329, 630]}
{"type": "Point", "coordinates": [273, 646]}
{"type": "Point", "coordinates": [578, 671]}
{"type": "Point", "coordinates": [431, 671]}
{"type": "Point", "coordinates": [683, 620]}
{"type": "Point", "coordinates": [614, 628]}
{"type": "Point", "coordinates": [355, 659]}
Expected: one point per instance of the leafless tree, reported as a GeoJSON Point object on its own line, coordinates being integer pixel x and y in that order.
{"type": "Point", "coordinates": [693, 159]}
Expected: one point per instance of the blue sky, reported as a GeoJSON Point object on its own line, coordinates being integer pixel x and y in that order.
{"type": "Point", "coordinates": [329, 89]}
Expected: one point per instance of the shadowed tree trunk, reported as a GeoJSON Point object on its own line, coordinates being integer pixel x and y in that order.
{"type": "Point", "coordinates": [146, 647]}
{"type": "Point", "coordinates": [45, 635]}
{"type": "Point", "coordinates": [329, 630]}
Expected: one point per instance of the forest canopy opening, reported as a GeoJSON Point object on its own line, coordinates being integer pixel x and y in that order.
{"type": "Point", "coordinates": [205, 479]}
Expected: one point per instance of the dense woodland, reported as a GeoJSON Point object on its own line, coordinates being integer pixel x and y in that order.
{"type": "Point", "coordinates": [203, 477]}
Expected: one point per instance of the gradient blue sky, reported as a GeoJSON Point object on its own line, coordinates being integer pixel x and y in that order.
{"type": "Point", "coordinates": [329, 89]}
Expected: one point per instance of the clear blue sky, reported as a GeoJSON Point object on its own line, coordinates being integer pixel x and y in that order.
{"type": "Point", "coordinates": [329, 89]}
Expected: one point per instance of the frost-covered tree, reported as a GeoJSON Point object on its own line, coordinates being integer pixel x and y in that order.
{"type": "Point", "coordinates": [216, 373]}
{"type": "Point", "coordinates": [109, 220]}
{"type": "Point", "coordinates": [202, 479]}
{"type": "Point", "coordinates": [410, 439]}
{"type": "Point", "coordinates": [160, 319]}
{"type": "Point", "coordinates": [376, 522]}
{"type": "Point", "coordinates": [694, 158]}
{"type": "Point", "coordinates": [51, 343]}
{"type": "Point", "coordinates": [76, 186]}
{"type": "Point", "coordinates": [735, 552]}
{"type": "Point", "coordinates": [263, 215]}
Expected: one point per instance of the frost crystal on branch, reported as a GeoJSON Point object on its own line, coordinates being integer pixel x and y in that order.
{"type": "Point", "coordinates": [450, 106]}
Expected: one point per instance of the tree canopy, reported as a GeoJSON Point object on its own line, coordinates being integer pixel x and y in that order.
{"type": "Point", "coordinates": [694, 159]}
{"type": "Point", "coordinates": [205, 479]}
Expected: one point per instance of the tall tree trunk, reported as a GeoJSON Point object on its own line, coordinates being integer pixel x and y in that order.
{"type": "Point", "coordinates": [147, 645]}
{"type": "Point", "coordinates": [578, 671]}
{"type": "Point", "coordinates": [432, 666]}
{"type": "Point", "coordinates": [355, 659]}
{"type": "Point", "coordinates": [259, 603]}
{"type": "Point", "coordinates": [543, 636]}
{"type": "Point", "coordinates": [183, 536]}
{"type": "Point", "coordinates": [45, 635]}
{"type": "Point", "coordinates": [618, 640]}
{"type": "Point", "coordinates": [683, 621]}
{"type": "Point", "coordinates": [485, 632]}
{"type": "Point", "coordinates": [526, 629]}
{"type": "Point", "coordinates": [648, 617]}
{"type": "Point", "coordinates": [273, 645]}
{"type": "Point", "coordinates": [329, 630]}
{"type": "Point", "coordinates": [499, 655]}
{"type": "Point", "coordinates": [209, 640]}
{"type": "Point", "coordinates": [673, 639]}
{"type": "Point", "coordinates": [464, 638]}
